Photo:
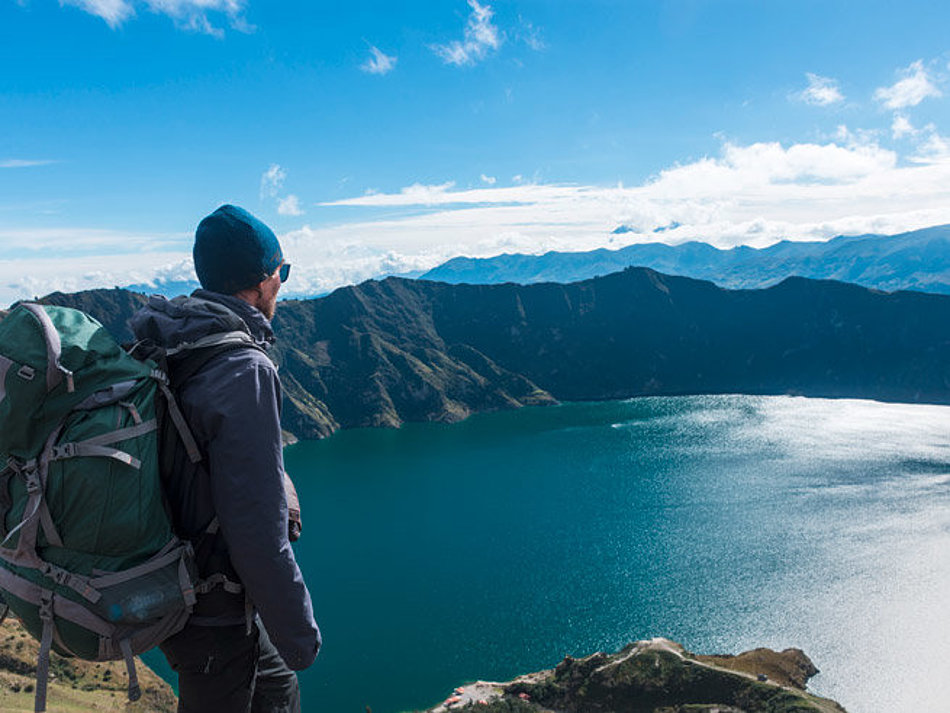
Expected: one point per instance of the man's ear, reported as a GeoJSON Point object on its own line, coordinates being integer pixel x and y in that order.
{"type": "Point", "coordinates": [251, 294]}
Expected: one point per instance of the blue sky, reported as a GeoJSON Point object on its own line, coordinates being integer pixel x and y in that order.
{"type": "Point", "coordinates": [384, 136]}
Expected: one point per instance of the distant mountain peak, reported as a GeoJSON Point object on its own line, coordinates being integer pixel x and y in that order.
{"type": "Point", "coordinates": [917, 260]}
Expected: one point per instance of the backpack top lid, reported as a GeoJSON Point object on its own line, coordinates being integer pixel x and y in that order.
{"type": "Point", "coordinates": [51, 360]}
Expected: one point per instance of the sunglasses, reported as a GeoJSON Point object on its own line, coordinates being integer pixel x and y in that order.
{"type": "Point", "coordinates": [284, 272]}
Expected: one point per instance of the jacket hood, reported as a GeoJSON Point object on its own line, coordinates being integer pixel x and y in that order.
{"type": "Point", "coordinates": [169, 323]}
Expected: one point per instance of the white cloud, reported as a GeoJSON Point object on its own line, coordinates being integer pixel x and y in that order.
{"type": "Point", "coordinates": [902, 127]}
{"type": "Point", "coordinates": [289, 206]}
{"type": "Point", "coordinates": [65, 241]}
{"type": "Point", "coordinates": [531, 35]}
{"type": "Point", "coordinates": [112, 11]}
{"type": "Point", "coordinates": [934, 148]}
{"type": "Point", "coordinates": [379, 63]}
{"type": "Point", "coordinates": [272, 183]}
{"type": "Point", "coordinates": [28, 277]}
{"type": "Point", "coordinates": [23, 163]}
{"type": "Point", "coordinates": [272, 180]}
{"type": "Point", "coordinates": [915, 86]}
{"type": "Point", "coordinates": [189, 14]}
{"type": "Point", "coordinates": [488, 180]}
{"type": "Point", "coordinates": [821, 91]}
{"type": "Point", "coordinates": [754, 194]}
{"type": "Point", "coordinates": [416, 194]}
{"type": "Point", "coordinates": [751, 194]}
{"type": "Point", "coordinates": [480, 37]}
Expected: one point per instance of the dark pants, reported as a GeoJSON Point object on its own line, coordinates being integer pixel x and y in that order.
{"type": "Point", "coordinates": [222, 669]}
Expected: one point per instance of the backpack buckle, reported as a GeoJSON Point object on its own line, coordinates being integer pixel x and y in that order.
{"type": "Point", "coordinates": [46, 606]}
{"type": "Point", "coordinates": [66, 450]}
{"type": "Point", "coordinates": [57, 574]}
{"type": "Point", "coordinates": [32, 478]}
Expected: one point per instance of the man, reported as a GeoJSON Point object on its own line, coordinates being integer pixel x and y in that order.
{"type": "Point", "coordinates": [232, 504]}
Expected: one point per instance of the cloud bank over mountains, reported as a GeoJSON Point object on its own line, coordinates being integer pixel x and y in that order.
{"type": "Point", "coordinates": [752, 194]}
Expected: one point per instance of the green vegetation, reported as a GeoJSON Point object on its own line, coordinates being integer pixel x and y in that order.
{"type": "Point", "coordinates": [385, 352]}
{"type": "Point", "coordinates": [658, 676]}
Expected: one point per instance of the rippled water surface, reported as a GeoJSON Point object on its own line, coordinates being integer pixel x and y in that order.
{"type": "Point", "coordinates": [439, 554]}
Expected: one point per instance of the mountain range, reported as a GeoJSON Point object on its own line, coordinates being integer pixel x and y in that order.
{"type": "Point", "coordinates": [918, 260]}
{"type": "Point", "coordinates": [385, 352]}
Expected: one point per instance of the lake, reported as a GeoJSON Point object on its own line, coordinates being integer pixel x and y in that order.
{"type": "Point", "coordinates": [439, 554]}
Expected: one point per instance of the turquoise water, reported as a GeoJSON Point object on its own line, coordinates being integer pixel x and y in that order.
{"type": "Point", "coordinates": [440, 554]}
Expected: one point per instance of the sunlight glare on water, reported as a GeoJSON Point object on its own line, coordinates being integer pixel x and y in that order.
{"type": "Point", "coordinates": [441, 554]}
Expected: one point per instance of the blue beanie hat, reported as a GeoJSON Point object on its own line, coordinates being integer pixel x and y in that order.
{"type": "Point", "coordinates": [234, 251]}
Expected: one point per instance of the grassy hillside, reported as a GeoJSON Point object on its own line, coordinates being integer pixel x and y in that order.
{"type": "Point", "coordinates": [75, 686]}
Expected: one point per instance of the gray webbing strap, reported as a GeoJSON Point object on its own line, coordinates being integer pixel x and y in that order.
{"type": "Point", "coordinates": [49, 529]}
{"type": "Point", "coordinates": [135, 692]}
{"type": "Point", "coordinates": [122, 434]}
{"type": "Point", "coordinates": [213, 340]}
{"type": "Point", "coordinates": [55, 371]}
{"type": "Point", "coordinates": [46, 642]}
{"type": "Point", "coordinates": [134, 412]}
{"type": "Point", "coordinates": [5, 365]}
{"type": "Point", "coordinates": [4, 610]}
{"type": "Point", "coordinates": [79, 584]}
{"type": "Point", "coordinates": [185, 584]}
{"type": "Point", "coordinates": [34, 488]}
{"type": "Point", "coordinates": [34, 474]}
{"type": "Point", "coordinates": [218, 579]}
{"type": "Point", "coordinates": [113, 578]}
{"type": "Point", "coordinates": [191, 447]}
{"type": "Point", "coordinates": [63, 607]}
{"type": "Point", "coordinates": [88, 450]}
{"type": "Point", "coordinates": [169, 546]}
{"type": "Point", "coordinates": [98, 447]}
{"type": "Point", "coordinates": [109, 395]}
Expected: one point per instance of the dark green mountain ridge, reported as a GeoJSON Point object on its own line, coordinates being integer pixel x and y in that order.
{"type": "Point", "coordinates": [385, 352]}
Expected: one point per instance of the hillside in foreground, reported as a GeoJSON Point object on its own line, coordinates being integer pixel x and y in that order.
{"type": "Point", "coordinates": [655, 676]}
{"type": "Point", "coordinates": [75, 686]}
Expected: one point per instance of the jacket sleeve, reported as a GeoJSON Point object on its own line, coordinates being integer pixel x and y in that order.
{"type": "Point", "coordinates": [241, 425]}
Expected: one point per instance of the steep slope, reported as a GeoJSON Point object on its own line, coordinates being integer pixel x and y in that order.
{"type": "Point", "coordinates": [385, 352]}
{"type": "Point", "coordinates": [372, 356]}
{"type": "Point", "coordinates": [642, 333]}
{"type": "Point", "coordinates": [74, 685]}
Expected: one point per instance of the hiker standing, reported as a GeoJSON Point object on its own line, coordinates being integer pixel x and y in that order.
{"type": "Point", "coordinates": [253, 623]}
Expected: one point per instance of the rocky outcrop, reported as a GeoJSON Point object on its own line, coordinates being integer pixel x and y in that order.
{"type": "Point", "coordinates": [655, 676]}
{"type": "Point", "coordinates": [74, 685]}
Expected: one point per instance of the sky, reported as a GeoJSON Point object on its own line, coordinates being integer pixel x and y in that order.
{"type": "Point", "coordinates": [384, 138]}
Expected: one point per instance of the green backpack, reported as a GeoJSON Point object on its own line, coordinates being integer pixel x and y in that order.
{"type": "Point", "coordinates": [88, 559]}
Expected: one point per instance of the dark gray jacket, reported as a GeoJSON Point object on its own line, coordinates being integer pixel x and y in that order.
{"type": "Point", "coordinates": [233, 408]}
